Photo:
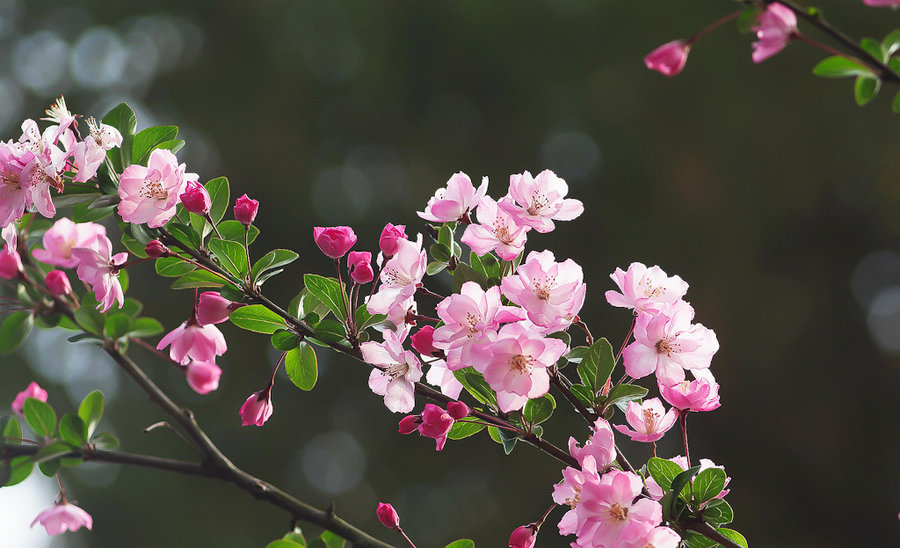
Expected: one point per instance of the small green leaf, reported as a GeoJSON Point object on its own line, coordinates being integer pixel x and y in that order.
{"type": "Point", "coordinates": [330, 331]}
{"type": "Point", "coordinates": [434, 267]}
{"type": "Point", "coordinates": [891, 42]}
{"type": "Point", "coordinates": [577, 354]}
{"type": "Point", "coordinates": [150, 138]}
{"type": "Point", "coordinates": [19, 470]}
{"type": "Point", "coordinates": [663, 472]}
{"type": "Point", "coordinates": [40, 417]}
{"type": "Point", "coordinates": [364, 319]}
{"type": "Point", "coordinates": [10, 431]}
{"type": "Point", "coordinates": [331, 540]}
{"type": "Point", "coordinates": [219, 196]}
{"type": "Point", "coordinates": [198, 278]}
{"type": "Point", "coordinates": [187, 237]}
{"type": "Point", "coordinates": [82, 214]}
{"type": "Point", "coordinates": [475, 385]}
{"type": "Point", "coordinates": [681, 480]}
{"type": "Point", "coordinates": [272, 260]}
{"type": "Point", "coordinates": [131, 308]}
{"type": "Point", "coordinates": [839, 67]}
{"type": "Point", "coordinates": [15, 329]}
{"type": "Point", "coordinates": [625, 393]}
{"type": "Point", "coordinates": [285, 340]}
{"type": "Point", "coordinates": [144, 327]}
{"type": "Point", "coordinates": [584, 394]}
{"type": "Point", "coordinates": [296, 536]}
{"type": "Point", "coordinates": [747, 20]}
{"type": "Point", "coordinates": [597, 365]}
{"type": "Point", "coordinates": [873, 48]}
{"type": "Point", "coordinates": [91, 410]}
{"type": "Point", "coordinates": [88, 317]}
{"type": "Point", "coordinates": [105, 440]}
{"type": "Point", "coordinates": [461, 543]}
{"type": "Point", "coordinates": [72, 430]}
{"type": "Point", "coordinates": [302, 367]}
{"type": "Point", "coordinates": [122, 118]}
{"type": "Point", "coordinates": [464, 429]}
{"type": "Point", "coordinates": [866, 88]}
{"type": "Point", "coordinates": [234, 231]}
{"type": "Point", "coordinates": [464, 273]}
{"type": "Point", "coordinates": [708, 484]}
{"type": "Point", "coordinates": [439, 252]}
{"type": "Point", "coordinates": [538, 410]}
{"type": "Point", "coordinates": [231, 255]}
{"type": "Point", "coordinates": [733, 535]}
{"type": "Point", "coordinates": [328, 291]}
{"type": "Point", "coordinates": [508, 439]}
{"type": "Point", "coordinates": [283, 543]}
{"type": "Point", "coordinates": [258, 318]}
{"type": "Point", "coordinates": [117, 325]}
{"type": "Point", "coordinates": [717, 511]}
{"type": "Point", "coordinates": [47, 458]}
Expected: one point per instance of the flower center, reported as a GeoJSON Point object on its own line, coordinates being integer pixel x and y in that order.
{"type": "Point", "coordinates": [651, 292]}
{"type": "Point", "coordinates": [520, 363]}
{"type": "Point", "coordinates": [618, 512]}
{"type": "Point", "coordinates": [394, 277]}
{"type": "Point", "coordinates": [538, 202]}
{"type": "Point", "coordinates": [650, 419]}
{"type": "Point", "coordinates": [667, 346]}
{"type": "Point", "coordinates": [397, 370]}
{"type": "Point", "coordinates": [575, 499]}
{"type": "Point", "coordinates": [542, 288]}
{"type": "Point", "coordinates": [501, 231]}
{"type": "Point", "coordinates": [153, 188]}
{"type": "Point", "coordinates": [472, 320]}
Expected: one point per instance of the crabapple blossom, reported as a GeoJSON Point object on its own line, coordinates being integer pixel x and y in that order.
{"type": "Point", "coordinates": [156, 249]}
{"type": "Point", "coordinates": [441, 376]}
{"type": "Point", "coordinates": [666, 342]}
{"type": "Point", "coordinates": [214, 308]}
{"type": "Point", "coordinates": [257, 409]}
{"type": "Point", "coordinates": [400, 277]}
{"type": "Point", "coordinates": [10, 263]}
{"type": "Point", "coordinates": [91, 152]}
{"type": "Point", "coordinates": [45, 166]}
{"type": "Point", "coordinates": [360, 265]}
{"type": "Point", "coordinates": [608, 515]}
{"type": "Point", "coordinates": [98, 268]}
{"type": "Point", "coordinates": [658, 537]}
{"type": "Point", "coordinates": [334, 241]}
{"type": "Point", "coordinates": [551, 293]}
{"type": "Point", "coordinates": [523, 537]}
{"type": "Point", "coordinates": [150, 194]}
{"type": "Point", "coordinates": [395, 372]}
{"type": "Point", "coordinates": [245, 209]}
{"type": "Point", "coordinates": [600, 446]}
{"type": "Point", "coordinates": [387, 243]}
{"type": "Point", "coordinates": [455, 201]}
{"type": "Point", "coordinates": [568, 493]}
{"type": "Point", "coordinates": [63, 517]}
{"type": "Point", "coordinates": [58, 283]}
{"type": "Point", "coordinates": [387, 515]}
{"type": "Point", "coordinates": [649, 420]}
{"type": "Point", "coordinates": [669, 59]}
{"type": "Point", "coordinates": [64, 236]}
{"type": "Point", "coordinates": [190, 340]}
{"type": "Point", "coordinates": [10, 235]}
{"type": "Point", "coordinates": [458, 410]}
{"type": "Point", "coordinates": [644, 289]}
{"type": "Point", "coordinates": [436, 424]}
{"type": "Point", "coordinates": [538, 201]}
{"type": "Point", "coordinates": [774, 28]}
{"type": "Point", "coordinates": [514, 363]}
{"type": "Point", "coordinates": [15, 192]}
{"type": "Point", "coordinates": [698, 395]}
{"type": "Point", "coordinates": [497, 231]}
{"type": "Point", "coordinates": [202, 376]}
{"type": "Point", "coordinates": [33, 390]}
{"type": "Point", "coordinates": [196, 198]}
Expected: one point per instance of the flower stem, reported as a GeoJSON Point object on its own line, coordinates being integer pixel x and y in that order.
{"type": "Point", "coordinates": [713, 26]}
{"type": "Point", "coordinates": [682, 420]}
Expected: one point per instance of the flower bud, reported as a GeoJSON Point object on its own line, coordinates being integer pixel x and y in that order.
{"type": "Point", "coordinates": [10, 264]}
{"type": "Point", "coordinates": [245, 210]}
{"type": "Point", "coordinates": [334, 241]}
{"type": "Point", "coordinates": [422, 341]}
{"type": "Point", "coordinates": [388, 240]}
{"type": "Point", "coordinates": [203, 377]}
{"type": "Point", "coordinates": [195, 198]}
{"type": "Point", "coordinates": [58, 283]}
{"type": "Point", "coordinates": [387, 515]}
{"type": "Point", "coordinates": [257, 409]}
{"type": "Point", "coordinates": [214, 308]}
{"type": "Point", "coordinates": [458, 410]}
{"type": "Point", "coordinates": [156, 249]}
{"type": "Point", "coordinates": [360, 265]}
{"type": "Point", "coordinates": [668, 59]}
{"type": "Point", "coordinates": [523, 537]}
{"type": "Point", "coordinates": [409, 424]}
{"type": "Point", "coordinates": [32, 391]}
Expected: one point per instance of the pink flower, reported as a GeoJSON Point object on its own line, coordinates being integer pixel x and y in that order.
{"type": "Point", "coordinates": [32, 391]}
{"type": "Point", "coordinates": [64, 236]}
{"type": "Point", "coordinates": [156, 249]}
{"type": "Point", "coordinates": [90, 153]}
{"type": "Point", "coordinates": [387, 515]}
{"type": "Point", "coordinates": [389, 236]}
{"type": "Point", "coordinates": [360, 265]}
{"type": "Point", "coordinates": [150, 194]}
{"type": "Point", "coordinates": [552, 293]}
{"type": "Point", "coordinates": [497, 231]}
{"type": "Point", "coordinates": [334, 241]}
{"type": "Point", "coordinates": [15, 192]}
{"type": "Point", "coordinates": [436, 424]}
{"type": "Point", "coordinates": [469, 317]}
{"type": "Point", "coordinates": [400, 277]}
{"type": "Point", "coordinates": [600, 446]}
{"type": "Point", "coordinates": [698, 395]}
{"type": "Point", "coordinates": [10, 263]}
{"type": "Point", "coordinates": [774, 28]}
{"type": "Point", "coordinates": [190, 340]}
{"type": "Point", "coordinates": [98, 268]}
{"type": "Point", "coordinates": [10, 235]}
{"type": "Point", "coordinates": [257, 409]}
{"type": "Point", "coordinates": [882, 3]}
{"type": "Point", "coordinates": [60, 518]}
{"type": "Point", "coordinates": [645, 288]}
{"type": "Point", "coordinates": [214, 308]}
{"type": "Point", "coordinates": [608, 514]}
{"type": "Point", "coordinates": [196, 198]}
{"type": "Point", "coordinates": [568, 493]}
{"type": "Point", "coordinates": [658, 537]}
{"type": "Point", "coordinates": [422, 341]}
{"type": "Point", "coordinates": [245, 209]}
{"type": "Point", "coordinates": [537, 201]}
{"type": "Point", "coordinates": [458, 410]}
{"type": "Point", "coordinates": [202, 376]}
{"type": "Point", "coordinates": [44, 164]}
{"type": "Point", "coordinates": [396, 370]}
{"type": "Point", "coordinates": [409, 424]}
{"type": "Point", "coordinates": [515, 362]}
{"type": "Point", "coordinates": [649, 420]}
{"type": "Point", "coordinates": [523, 537]}
{"type": "Point", "coordinates": [668, 59]}
{"type": "Point", "coordinates": [455, 201]}
{"type": "Point", "coordinates": [439, 375]}
{"type": "Point", "coordinates": [58, 283]}
{"type": "Point", "coordinates": [667, 343]}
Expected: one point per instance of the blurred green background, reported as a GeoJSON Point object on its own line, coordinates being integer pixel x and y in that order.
{"type": "Point", "coordinates": [765, 188]}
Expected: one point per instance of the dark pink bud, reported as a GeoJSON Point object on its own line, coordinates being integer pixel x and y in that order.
{"type": "Point", "coordinates": [409, 424]}
{"type": "Point", "coordinates": [360, 265]}
{"type": "Point", "coordinates": [387, 515]}
{"type": "Point", "coordinates": [334, 241]}
{"type": "Point", "coordinates": [523, 537]}
{"type": "Point", "coordinates": [203, 377]}
{"type": "Point", "coordinates": [58, 283]}
{"type": "Point", "coordinates": [33, 390]}
{"type": "Point", "coordinates": [669, 58]}
{"type": "Point", "coordinates": [257, 409]}
{"type": "Point", "coordinates": [214, 308]}
{"type": "Point", "coordinates": [389, 236]}
{"type": "Point", "coordinates": [10, 264]}
{"type": "Point", "coordinates": [195, 198]}
{"type": "Point", "coordinates": [422, 341]}
{"type": "Point", "coordinates": [436, 423]}
{"type": "Point", "coordinates": [458, 410]}
{"type": "Point", "coordinates": [156, 249]}
{"type": "Point", "coordinates": [245, 210]}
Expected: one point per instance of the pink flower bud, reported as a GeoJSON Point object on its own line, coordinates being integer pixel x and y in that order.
{"type": "Point", "coordinates": [458, 410]}
{"type": "Point", "coordinates": [668, 59]}
{"type": "Point", "coordinates": [334, 241]}
{"type": "Point", "coordinates": [10, 264]}
{"type": "Point", "coordinates": [257, 409]}
{"type": "Point", "coordinates": [214, 308]}
{"type": "Point", "coordinates": [203, 377]}
{"type": "Point", "coordinates": [60, 518]}
{"type": "Point", "coordinates": [882, 3]}
{"type": "Point", "coordinates": [409, 424]}
{"type": "Point", "coordinates": [32, 391]}
{"type": "Point", "coordinates": [58, 283]}
{"type": "Point", "coordinates": [156, 249]}
{"type": "Point", "coordinates": [697, 395]}
{"type": "Point", "coordinates": [423, 341]}
{"type": "Point", "coordinates": [522, 537]}
{"type": "Point", "coordinates": [360, 265]}
{"type": "Point", "coordinates": [388, 240]}
{"type": "Point", "coordinates": [387, 515]}
{"type": "Point", "coordinates": [436, 424]}
{"type": "Point", "coordinates": [195, 198]}
{"type": "Point", "coordinates": [245, 210]}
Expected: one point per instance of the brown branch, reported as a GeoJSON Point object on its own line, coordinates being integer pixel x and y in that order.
{"type": "Point", "coordinates": [710, 532]}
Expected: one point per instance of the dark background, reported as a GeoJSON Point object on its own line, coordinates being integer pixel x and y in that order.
{"type": "Point", "coordinates": [764, 187]}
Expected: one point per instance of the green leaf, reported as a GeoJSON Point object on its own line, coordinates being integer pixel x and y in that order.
{"type": "Point", "coordinates": [272, 260]}
{"type": "Point", "coordinates": [40, 417]}
{"type": "Point", "coordinates": [439, 252]}
{"type": "Point", "coordinates": [733, 535]}
{"type": "Point", "coordinates": [19, 470]}
{"type": "Point", "coordinates": [91, 410]}
{"type": "Point", "coordinates": [88, 317]}
{"type": "Point", "coordinates": [331, 540]}
{"type": "Point", "coordinates": [465, 273]}
{"type": "Point", "coordinates": [508, 439]}
{"type": "Point", "coordinates": [328, 291]}
{"type": "Point", "coordinates": [283, 543]}
{"type": "Point", "coordinates": [296, 536]}
{"type": "Point", "coordinates": [577, 354]}
{"type": "Point", "coordinates": [463, 429]}
{"type": "Point", "coordinates": [258, 318]}
{"type": "Point", "coordinates": [475, 385]}
{"type": "Point", "coordinates": [435, 267]}
{"type": "Point", "coordinates": [187, 237]}
{"type": "Point", "coordinates": [82, 214]}
{"type": "Point", "coordinates": [597, 365]}
{"type": "Point", "coordinates": [47, 458]}
{"type": "Point", "coordinates": [148, 139]}
{"type": "Point", "coordinates": [117, 325]}
{"type": "Point", "coordinates": [15, 329]}
{"type": "Point", "coordinates": [284, 340]}
{"type": "Point", "coordinates": [364, 319]}
{"type": "Point", "coordinates": [708, 484]}
{"type": "Point", "coordinates": [234, 231]}
{"type": "Point", "coordinates": [219, 196]}
{"type": "Point", "coordinates": [696, 540]}
{"type": "Point", "coordinates": [625, 393]}
{"type": "Point", "coordinates": [330, 331]}
{"type": "Point", "coordinates": [895, 104]}
{"type": "Point", "coordinates": [839, 67]}
{"type": "Point", "coordinates": [302, 367]}
{"type": "Point", "coordinates": [72, 430]}
{"type": "Point", "coordinates": [584, 394]}
{"type": "Point", "coordinates": [538, 410]}
{"type": "Point", "coordinates": [198, 278]}
{"type": "Point", "coordinates": [682, 479]}
{"type": "Point", "coordinates": [144, 327]}
{"type": "Point", "coordinates": [231, 255]}
{"type": "Point", "coordinates": [663, 472]}
{"type": "Point", "coordinates": [747, 20]}
{"type": "Point", "coordinates": [873, 48]}
{"type": "Point", "coordinates": [10, 431]}
{"type": "Point", "coordinates": [105, 440]}
{"type": "Point", "coordinates": [122, 117]}
{"type": "Point", "coordinates": [717, 511]}
{"type": "Point", "coordinates": [461, 543]}
{"type": "Point", "coordinates": [131, 308]}
{"type": "Point", "coordinates": [173, 146]}
{"type": "Point", "coordinates": [891, 42]}
{"type": "Point", "coordinates": [866, 88]}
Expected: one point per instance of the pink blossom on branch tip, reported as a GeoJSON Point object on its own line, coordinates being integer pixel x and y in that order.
{"type": "Point", "coordinates": [390, 234]}
{"type": "Point", "coordinates": [150, 194]}
{"type": "Point", "coordinates": [552, 293]}
{"type": "Point", "coordinates": [33, 390]}
{"type": "Point", "coordinates": [395, 370]}
{"type": "Point", "coordinates": [698, 395]}
{"type": "Point", "coordinates": [245, 210]}
{"type": "Point", "coordinates": [99, 268]}
{"type": "Point", "coordinates": [202, 377]}
{"type": "Point", "coordinates": [359, 263]}
{"type": "Point", "coordinates": [64, 236]}
{"type": "Point", "coordinates": [649, 419]}
{"type": "Point", "coordinates": [537, 201]}
{"type": "Point", "coordinates": [60, 518]}
{"type": "Point", "coordinates": [496, 231]}
{"type": "Point", "coordinates": [190, 340]}
{"type": "Point", "coordinates": [387, 515]}
{"type": "Point", "coordinates": [523, 537]}
{"type": "Point", "coordinates": [669, 59]}
{"type": "Point", "coordinates": [257, 409]}
{"type": "Point", "coordinates": [58, 283]}
{"type": "Point", "coordinates": [454, 201]}
{"type": "Point", "coordinates": [213, 308]}
{"type": "Point", "coordinates": [645, 289]}
{"type": "Point", "coordinates": [10, 263]}
{"type": "Point", "coordinates": [774, 28]}
{"type": "Point", "coordinates": [195, 198]}
{"type": "Point", "coordinates": [334, 241]}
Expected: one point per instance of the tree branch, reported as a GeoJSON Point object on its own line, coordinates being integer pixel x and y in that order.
{"type": "Point", "coordinates": [710, 532]}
